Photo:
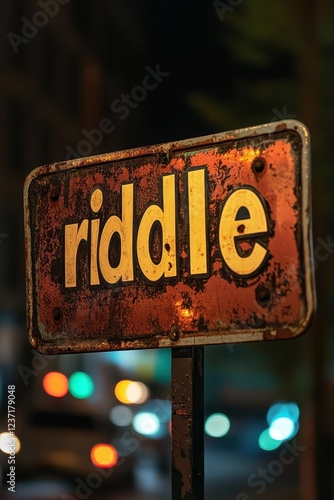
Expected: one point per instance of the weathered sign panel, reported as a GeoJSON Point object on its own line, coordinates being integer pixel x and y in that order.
{"type": "Point", "coordinates": [195, 242]}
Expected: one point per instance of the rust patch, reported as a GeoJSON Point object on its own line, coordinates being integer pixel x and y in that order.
{"type": "Point", "coordinates": [280, 127]}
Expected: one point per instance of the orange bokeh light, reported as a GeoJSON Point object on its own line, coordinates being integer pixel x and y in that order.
{"type": "Point", "coordinates": [55, 384]}
{"type": "Point", "coordinates": [130, 392]}
{"type": "Point", "coordinates": [104, 455]}
{"type": "Point", "coordinates": [120, 391]}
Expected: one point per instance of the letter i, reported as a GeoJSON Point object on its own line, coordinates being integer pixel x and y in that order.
{"type": "Point", "coordinates": [95, 203]}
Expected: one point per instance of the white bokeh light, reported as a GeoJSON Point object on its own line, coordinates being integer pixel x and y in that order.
{"type": "Point", "coordinates": [217, 425]}
{"type": "Point", "coordinates": [9, 443]}
{"type": "Point", "coordinates": [146, 423]}
{"type": "Point", "coordinates": [281, 428]}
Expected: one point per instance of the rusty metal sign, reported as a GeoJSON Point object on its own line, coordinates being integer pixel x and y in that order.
{"type": "Point", "coordinates": [202, 241]}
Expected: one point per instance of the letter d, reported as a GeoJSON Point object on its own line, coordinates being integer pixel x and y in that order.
{"type": "Point", "coordinates": [166, 217]}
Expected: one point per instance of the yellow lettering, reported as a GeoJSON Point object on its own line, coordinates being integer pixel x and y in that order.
{"type": "Point", "coordinates": [230, 229]}
{"type": "Point", "coordinates": [167, 218]}
{"type": "Point", "coordinates": [96, 201]}
{"type": "Point", "coordinates": [94, 273]}
{"type": "Point", "coordinates": [73, 237]}
{"type": "Point", "coordinates": [124, 227]}
{"type": "Point", "coordinates": [197, 222]}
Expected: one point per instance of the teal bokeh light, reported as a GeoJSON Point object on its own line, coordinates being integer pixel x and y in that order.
{"type": "Point", "coordinates": [81, 385]}
{"type": "Point", "coordinates": [283, 409]}
{"type": "Point", "coordinates": [217, 425]}
{"type": "Point", "coordinates": [267, 443]}
{"type": "Point", "coordinates": [282, 418]}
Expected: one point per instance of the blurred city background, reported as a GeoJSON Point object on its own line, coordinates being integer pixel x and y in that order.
{"type": "Point", "coordinates": [65, 65]}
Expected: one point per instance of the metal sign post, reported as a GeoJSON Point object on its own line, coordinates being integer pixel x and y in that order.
{"type": "Point", "coordinates": [188, 423]}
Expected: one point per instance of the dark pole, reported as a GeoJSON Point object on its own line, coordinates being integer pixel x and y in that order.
{"type": "Point", "coordinates": [188, 423]}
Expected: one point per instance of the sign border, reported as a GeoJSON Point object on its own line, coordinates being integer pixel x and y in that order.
{"type": "Point", "coordinates": [93, 345]}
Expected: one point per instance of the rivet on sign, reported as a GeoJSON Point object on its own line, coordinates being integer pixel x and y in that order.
{"type": "Point", "coordinates": [258, 165]}
{"type": "Point", "coordinates": [54, 193]}
{"type": "Point", "coordinates": [263, 295]}
{"type": "Point", "coordinates": [174, 334]}
{"type": "Point", "coordinates": [57, 314]}
{"type": "Point", "coordinates": [163, 159]}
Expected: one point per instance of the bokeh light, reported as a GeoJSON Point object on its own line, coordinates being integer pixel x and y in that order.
{"type": "Point", "coordinates": [161, 407]}
{"type": "Point", "coordinates": [130, 392]}
{"type": "Point", "coordinates": [81, 385]}
{"type": "Point", "coordinates": [283, 409]}
{"type": "Point", "coordinates": [137, 392]}
{"type": "Point", "coordinates": [282, 418]}
{"type": "Point", "coordinates": [147, 423]}
{"type": "Point", "coordinates": [104, 455]}
{"type": "Point", "coordinates": [217, 425]}
{"type": "Point", "coordinates": [120, 391]}
{"type": "Point", "coordinates": [282, 428]}
{"type": "Point", "coordinates": [267, 443]}
{"type": "Point", "coordinates": [55, 384]}
{"type": "Point", "coordinates": [121, 415]}
{"type": "Point", "coordinates": [9, 443]}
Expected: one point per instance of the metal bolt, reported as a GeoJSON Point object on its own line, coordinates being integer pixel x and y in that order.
{"type": "Point", "coordinates": [258, 165]}
{"type": "Point", "coordinates": [54, 193]}
{"type": "Point", "coordinates": [57, 314]}
{"type": "Point", "coordinates": [174, 334]}
{"type": "Point", "coordinates": [163, 159]}
{"type": "Point", "coordinates": [263, 295]}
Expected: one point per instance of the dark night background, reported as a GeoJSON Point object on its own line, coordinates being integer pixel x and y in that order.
{"type": "Point", "coordinates": [230, 64]}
